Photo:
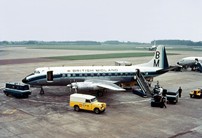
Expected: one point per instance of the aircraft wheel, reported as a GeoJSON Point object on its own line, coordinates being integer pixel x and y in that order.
{"type": "Point", "coordinates": [99, 93]}
{"type": "Point", "coordinates": [42, 92]}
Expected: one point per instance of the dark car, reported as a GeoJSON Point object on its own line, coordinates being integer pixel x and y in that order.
{"type": "Point", "coordinates": [172, 96]}
{"type": "Point", "coordinates": [17, 90]}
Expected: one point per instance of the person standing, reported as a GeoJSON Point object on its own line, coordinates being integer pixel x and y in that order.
{"type": "Point", "coordinates": [180, 92]}
{"type": "Point", "coordinates": [163, 101]}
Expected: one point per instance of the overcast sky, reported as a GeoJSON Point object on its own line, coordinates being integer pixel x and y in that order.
{"type": "Point", "coordinates": [100, 20]}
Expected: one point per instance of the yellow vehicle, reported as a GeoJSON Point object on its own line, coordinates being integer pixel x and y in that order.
{"type": "Point", "coordinates": [86, 102]}
{"type": "Point", "coordinates": [196, 93]}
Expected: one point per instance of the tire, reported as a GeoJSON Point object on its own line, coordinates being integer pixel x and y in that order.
{"type": "Point", "coordinates": [176, 101]}
{"type": "Point", "coordinates": [152, 105]}
{"type": "Point", "coordinates": [6, 94]}
{"type": "Point", "coordinates": [97, 111]}
{"type": "Point", "coordinates": [26, 96]}
{"type": "Point", "coordinates": [76, 108]}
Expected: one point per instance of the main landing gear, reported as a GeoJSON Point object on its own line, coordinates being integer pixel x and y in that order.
{"type": "Point", "coordinates": [42, 91]}
{"type": "Point", "coordinates": [100, 93]}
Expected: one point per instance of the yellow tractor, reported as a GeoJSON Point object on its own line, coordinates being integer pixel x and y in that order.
{"type": "Point", "coordinates": [197, 93]}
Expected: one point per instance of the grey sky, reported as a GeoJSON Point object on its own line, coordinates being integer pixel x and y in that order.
{"type": "Point", "coordinates": [100, 20]}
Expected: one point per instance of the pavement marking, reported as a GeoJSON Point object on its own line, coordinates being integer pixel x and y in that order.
{"type": "Point", "coordinates": [133, 102]}
{"type": "Point", "coordinates": [36, 101]}
{"type": "Point", "coordinates": [9, 111]}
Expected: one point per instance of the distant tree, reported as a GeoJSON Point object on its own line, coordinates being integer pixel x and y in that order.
{"type": "Point", "coordinates": [177, 42]}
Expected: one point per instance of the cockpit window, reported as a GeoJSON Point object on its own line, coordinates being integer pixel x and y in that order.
{"type": "Point", "coordinates": [36, 72]}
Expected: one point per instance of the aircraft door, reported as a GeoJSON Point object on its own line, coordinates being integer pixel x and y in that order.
{"type": "Point", "coordinates": [49, 76]}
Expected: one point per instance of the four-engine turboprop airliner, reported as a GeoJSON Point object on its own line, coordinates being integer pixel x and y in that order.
{"type": "Point", "coordinates": [192, 62]}
{"type": "Point", "coordinates": [97, 77]}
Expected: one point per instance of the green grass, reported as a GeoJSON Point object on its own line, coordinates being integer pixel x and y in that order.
{"type": "Point", "coordinates": [103, 56]}
{"type": "Point", "coordinates": [105, 47]}
{"type": "Point", "coordinates": [186, 49]}
{"type": "Point", "coordinates": [112, 47]}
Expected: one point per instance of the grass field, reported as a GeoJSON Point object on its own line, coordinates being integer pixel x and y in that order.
{"type": "Point", "coordinates": [103, 56]}
{"type": "Point", "coordinates": [120, 47]}
{"type": "Point", "coordinates": [92, 47]}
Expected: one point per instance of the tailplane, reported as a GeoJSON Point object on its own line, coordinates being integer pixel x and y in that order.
{"type": "Point", "coordinates": [159, 60]}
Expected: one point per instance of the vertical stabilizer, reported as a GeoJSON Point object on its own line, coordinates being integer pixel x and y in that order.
{"type": "Point", "coordinates": [159, 60]}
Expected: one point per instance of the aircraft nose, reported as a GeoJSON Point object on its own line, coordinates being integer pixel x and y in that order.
{"type": "Point", "coordinates": [24, 80]}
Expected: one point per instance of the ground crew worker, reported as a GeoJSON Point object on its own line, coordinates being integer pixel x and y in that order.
{"type": "Point", "coordinates": [180, 91]}
{"type": "Point", "coordinates": [163, 100]}
{"type": "Point", "coordinates": [157, 83]}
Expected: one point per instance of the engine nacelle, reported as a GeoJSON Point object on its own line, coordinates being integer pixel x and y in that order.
{"type": "Point", "coordinates": [84, 86]}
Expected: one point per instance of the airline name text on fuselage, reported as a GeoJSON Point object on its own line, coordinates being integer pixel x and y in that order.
{"type": "Point", "coordinates": [92, 70]}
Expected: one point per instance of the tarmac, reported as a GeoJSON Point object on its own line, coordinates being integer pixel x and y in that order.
{"type": "Point", "coordinates": [127, 115]}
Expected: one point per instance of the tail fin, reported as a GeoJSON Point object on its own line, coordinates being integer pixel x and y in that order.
{"type": "Point", "coordinates": [159, 60]}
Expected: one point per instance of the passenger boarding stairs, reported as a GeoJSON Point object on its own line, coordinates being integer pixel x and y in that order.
{"type": "Point", "coordinates": [141, 81]}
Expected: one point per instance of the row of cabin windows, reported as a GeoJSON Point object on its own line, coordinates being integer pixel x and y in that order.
{"type": "Point", "coordinates": [97, 74]}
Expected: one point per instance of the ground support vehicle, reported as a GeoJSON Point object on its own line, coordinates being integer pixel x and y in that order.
{"type": "Point", "coordinates": [17, 90]}
{"type": "Point", "coordinates": [172, 96]}
{"type": "Point", "coordinates": [158, 97]}
{"type": "Point", "coordinates": [196, 93]}
{"type": "Point", "coordinates": [86, 102]}
{"type": "Point", "coordinates": [156, 101]}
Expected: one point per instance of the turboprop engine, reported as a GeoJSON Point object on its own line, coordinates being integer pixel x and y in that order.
{"type": "Point", "coordinates": [82, 86]}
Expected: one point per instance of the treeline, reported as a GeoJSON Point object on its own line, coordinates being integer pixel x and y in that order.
{"type": "Point", "coordinates": [31, 42]}
{"type": "Point", "coordinates": [111, 42]}
{"type": "Point", "coordinates": [176, 42]}
{"type": "Point", "coordinates": [118, 42]}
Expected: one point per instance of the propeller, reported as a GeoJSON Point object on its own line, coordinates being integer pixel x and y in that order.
{"type": "Point", "coordinates": [73, 86]}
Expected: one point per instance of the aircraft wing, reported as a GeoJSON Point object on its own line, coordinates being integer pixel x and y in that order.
{"type": "Point", "coordinates": [105, 84]}
{"type": "Point", "coordinates": [110, 86]}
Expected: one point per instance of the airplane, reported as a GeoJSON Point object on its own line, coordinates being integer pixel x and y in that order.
{"type": "Point", "coordinates": [98, 78]}
{"type": "Point", "coordinates": [153, 48]}
{"type": "Point", "coordinates": [195, 63]}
